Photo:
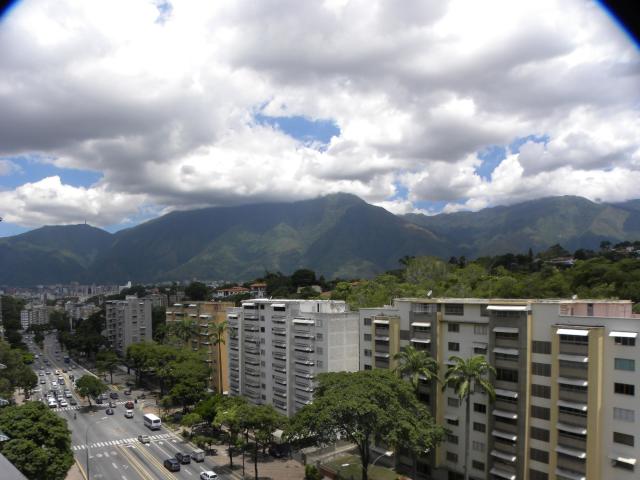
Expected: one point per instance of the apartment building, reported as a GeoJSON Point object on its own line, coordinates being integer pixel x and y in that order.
{"type": "Point", "coordinates": [566, 386]}
{"type": "Point", "coordinates": [128, 321]}
{"type": "Point", "coordinates": [204, 317]}
{"type": "Point", "coordinates": [34, 315]}
{"type": "Point", "coordinates": [277, 347]}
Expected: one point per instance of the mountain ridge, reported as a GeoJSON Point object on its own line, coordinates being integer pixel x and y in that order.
{"type": "Point", "coordinates": [335, 235]}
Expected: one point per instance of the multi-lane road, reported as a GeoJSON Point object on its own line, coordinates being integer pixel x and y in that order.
{"type": "Point", "coordinates": [107, 446]}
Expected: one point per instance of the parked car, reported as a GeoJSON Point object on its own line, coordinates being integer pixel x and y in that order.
{"type": "Point", "coordinates": [129, 405]}
{"type": "Point", "coordinates": [112, 404]}
{"type": "Point", "coordinates": [73, 401]}
{"type": "Point", "coordinates": [128, 414]}
{"type": "Point", "coordinates": [99, 401]}
{"type": "Point", "coordinates": [208, 475]}
{"type": "Point", "coordinates": [172, 465]}
{"type": "Point", "coordinates": [114, 395]}
{"type": "Point", "coordinates": [183, 458]}
{"type": "Point", "coordinates": [144, 439]}
{"type": "Point", "coordinates": [109, 411]}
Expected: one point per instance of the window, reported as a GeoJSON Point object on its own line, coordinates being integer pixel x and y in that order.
{"type": "Point", "coordinates": [367, 367]}
{"type": "Point", "coordinates": [453, 421]}
{"type": "Point", "coordinates": [477, 446]}
{"type": "Point", "coordinates": [319, 337]}
{"type": "Point", "coordinates": [454, 309]}
{"type": "Point", "coordinates": [452, 439]}
{"type": "Point", "coordinates": [454, 346]}
{"type": "Point", "coordinates": [537, 475]}
{"type": "Point", "coordinates": [367, 352]}
{"type": "Point", "coordinates": [574, 339]}
{"type": "Point", "coordinates": [539, 455]}
{"type": "Point", "coordinates": [484, 311]}
{"type": "Point", "coordinates": [540, 434]}
{"type": "Point", "coordinates": [541, 347]}
{"type": "Point", "coordinates": [507, 375]}
{"type": "Point", "coordinates": [480, 329]}
{"type": "Point", "coordinates": [542, 369]}
{"type": "Point", "coordinates": [319, 363]}
{"type": "Point", "coordinates": [480, 408]}
{"type": "Point", "coordinates": [453, 327]}
{"type": "Point", "coordinates": [477, 465]}
{"type": "Point", "coordinates": [479, 427]}
{"type": "Point", "coordinates": [453, 402]}
{"type": "Point", "coordinates": [624, 389]}
{"type": "Point", "coordinates": [319, 323]}
{"type": "Point", "coordinates": [540, 412]}
{"type": "Point", "coordinates": [542, 391]}
{"type": "Point", "coordinates": [625, 341]}
{"type": "Point", "coordinates": [623, 438]}
{"type": "Point", "coordinates": [480, 349]}
{"type": "Point", "coordinates": [319, 350]}
{"type": "Point", "coordinates": [367, 337]}
{"type": "Point", "coordinates": [367, 322]}
{"type": "Point", "coordinates": [452, 457]}
{"type": "Point", "coordinates": [506, 336]}
{"type": "Point", "coordinates": [627, 364]}
{"type": "Point", "coordinates": [624, 414]}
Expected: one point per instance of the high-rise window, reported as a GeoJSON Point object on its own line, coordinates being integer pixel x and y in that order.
{"type": "Point", "coordinates": [453, 327]}
{"type": "Point", "coordinates": [625, 341]}
{"type": "Point", "coordinates": [623, 438]}
{"type": "Point", "coordinates": [624, 414]}
{"type": "Point", "coordinates": [454, 309]}
{"type": "Point", "coordinates": [624, 389]}
{"type": "Point", "coordinates": [627, 364]}
{"type": "Point", "coordinates": [454, 346]}
{"type": "Point", "coordinates": [541, 347]}
{"type": "Point", "coordinates": [480, 329]}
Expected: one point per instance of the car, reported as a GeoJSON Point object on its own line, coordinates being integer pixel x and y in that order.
{"type": "Point", "coordinates": [128, 414]}
{"type": "Point", "coordinates": [172, 465]}
{"type": "Point", "coordinates": [64, 370]}
{"type": "Point", "coordinates": [73, 401]}
{"type": "Point", "coordinates": [99, 401]}
{"type": "Point", "coordinates": [183, 458]}
{"type": "Point", "coordinates": [129, 405]}
{"type": "Point", "coordinates": [63, 403]}
{"type": "Point", "coordinates": [109, 411]}
{"type": "Point", "coordinates": [112, 404]}
{"type": "Point", "coordinates": [42, 382]}
{"type": "Point", "coordinates": [48, 372]}
{"type": "Point", "coordinates": [114, 395]}
{"type": "Point", "coordinates": [208, 475]}
{"type": "Point", "coordinates": [41, 374]}
{"type": "Point", "coordinates": [127, 392]}
{"type": "Point", "coordinates": [144, 439]}
{"type": "Point", "coordinates": [68, 394]}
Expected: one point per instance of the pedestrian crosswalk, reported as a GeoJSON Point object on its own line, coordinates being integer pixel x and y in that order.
{"type": "Point", "coordinates": [121, 441]}
{"type": "Point", "coordinates": [78, 407]}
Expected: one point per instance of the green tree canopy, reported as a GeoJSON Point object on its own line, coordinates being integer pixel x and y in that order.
{"type": "Point", "coordinates": [107, 361]}
{"type": "Point", "coordinates": [89, 386]}
{"type": "Point", "coordinates": [197, 291]}
{"type": "Point", "coordinates": [364, 407]}
{"type": "Point", "coordinates": [230, 417]}
{"type": "Point", "coordinates": [416, 364]}
{"type": "Point", "coordinates": [40, 443]}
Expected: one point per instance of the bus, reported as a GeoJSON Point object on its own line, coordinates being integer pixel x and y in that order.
{"type": "Point", "coordinates": [67, 359]}
{"type": "Point", "coordinates": [152, 421]}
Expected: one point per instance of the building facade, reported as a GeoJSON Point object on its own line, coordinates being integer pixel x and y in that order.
{"type": "Point", "coordinates": [566, 403]}
{"type": "Point", "coordinates": [205, 316]}
{"type": "Point", "coordinates": [277, 347]}
{"type": "Point", "coordinates": [127, 322]}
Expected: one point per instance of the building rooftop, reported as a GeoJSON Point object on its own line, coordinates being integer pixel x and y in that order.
{"type": "Point", "coordinates": [512, 301]}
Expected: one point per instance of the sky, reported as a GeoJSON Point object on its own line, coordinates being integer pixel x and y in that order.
{"type": "Point", "coordinates": [116, 112]}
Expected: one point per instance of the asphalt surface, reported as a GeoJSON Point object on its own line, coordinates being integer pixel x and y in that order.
{"type": "Point", "coordinates": [106, 446]}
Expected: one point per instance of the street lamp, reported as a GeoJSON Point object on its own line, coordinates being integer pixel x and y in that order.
{"type": "Point", "coordinates": [387, 454]}
{"type": "Point", "coordinates": [86, 442]}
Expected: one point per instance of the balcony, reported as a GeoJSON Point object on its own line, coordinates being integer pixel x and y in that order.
{"type": "Point", "coordinates": [574, 349]}
{"type": "Point", "coordinates": [279, 356]}
{"type": "Point", "coordinates": [577, 442]}
{"type": "Point", "coordinates": [279, 331]}
{"type": "Point", "coordinates": [303, 347]}
{"type": "Point", "coordinates": [572, 419]}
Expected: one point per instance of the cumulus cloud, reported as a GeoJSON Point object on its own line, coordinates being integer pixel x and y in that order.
{"type": "Point", "coordinates": [162, 101]}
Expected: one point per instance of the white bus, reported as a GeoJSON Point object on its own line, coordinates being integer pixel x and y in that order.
{"type": "Point", "coordinates": [152, 421]}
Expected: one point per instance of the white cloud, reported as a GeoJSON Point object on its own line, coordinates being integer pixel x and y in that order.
{"type": "Point", "coordinates": [8, 167]}
{"type": "Point", "coordinates": [164, 109]}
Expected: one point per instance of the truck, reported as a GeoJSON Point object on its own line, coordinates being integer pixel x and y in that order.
{"type": "Point", "coordinates": [197, 455]}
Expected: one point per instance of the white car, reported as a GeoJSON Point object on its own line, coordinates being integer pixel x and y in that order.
{"type": "Point", "coordinates": [63, 403]}
{"type": "Point", "coordinates": [128, 414]}
{"type": "Point", "coordinates": [208, 475]}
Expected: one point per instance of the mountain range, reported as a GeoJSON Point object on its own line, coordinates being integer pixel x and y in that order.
{"type": "Point", "coordinates": [337, 235]}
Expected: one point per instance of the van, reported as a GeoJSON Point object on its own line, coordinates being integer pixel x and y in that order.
{"type": "Point", "coordinates": [197, 455]}
{"type": "Point", "coordinates": [152, 421]}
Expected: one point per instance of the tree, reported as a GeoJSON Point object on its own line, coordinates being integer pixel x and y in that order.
{"type": "Point", "coordinates": [229, 417]}
{"type": "Point", "coordinates": [197, 291]}
{"type": "Point", "coordinates": [184, 330]}
{"type": "Point", "coordinates": [89, 386]}
{"type": "Point", "coordinates": [26, 379]}
{"type": "Point", "coordinates": [159, 323]}
{"type": "Point", "coordinates": [40, 443]}
{"type": "Point", "coordinates": [416, 364]}
{"type": "Point", "coordinates": [464, 376]}
{"type": "Point", "coordinates": [217, 338]}
{"type": "Point", "coordinates": [303, 278]}
{"type": "Point", "coordinates": [208, 407]}
{"type": "Point", "coordinates": [107, 361]}
{"type": "Point", "coordinates": [311, 472]}
{"type": "Point", "coordinates": [260, 421]}
{"type": "Point", "coordinates": [365, 407]}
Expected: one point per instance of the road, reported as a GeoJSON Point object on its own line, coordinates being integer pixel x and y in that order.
{"type": "Point", "coordinates": [106, 446]}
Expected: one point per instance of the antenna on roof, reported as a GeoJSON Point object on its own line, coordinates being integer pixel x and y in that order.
{"type": "Point", "coordinates": [429, 293]}
{"type": "Point", "coordinates": [574, 296]}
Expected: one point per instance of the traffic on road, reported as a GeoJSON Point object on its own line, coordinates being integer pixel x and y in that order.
{"type": "Point", "coordinates": [114, 438]}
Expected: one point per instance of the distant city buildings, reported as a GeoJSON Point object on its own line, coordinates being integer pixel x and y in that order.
{"type": "Point", "coordinates": [566, 384]}
{"type": "Point", "coordinates": [255, 290]}
{"type": "Point", "coordinates": [204, 317]}
{"type": "Point", "coordinates": [127, 322]}
{"type": "Point", "coordinates": [277, 347]}
{"type": "Point", "coordinates": [34, 315]}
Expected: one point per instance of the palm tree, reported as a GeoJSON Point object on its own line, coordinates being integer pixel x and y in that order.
{"type": "Point", "coordinates": [464, 375]}
{"type": "Point", "coordinates": [185, 330]}
{"type": "Point", "coordinates": [217, 339]}
{"type": "Point", "coordinates": [416, 364]}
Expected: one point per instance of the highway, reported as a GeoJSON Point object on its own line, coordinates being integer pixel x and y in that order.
{"type": "Point", "coordinates": [107, 446]}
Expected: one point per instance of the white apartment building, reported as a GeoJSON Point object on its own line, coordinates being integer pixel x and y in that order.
{"type": "Point", "coordinates": [277, 347]}
{"type": "Point", "coordinates": [567, 389]}
{"type": "Point", "coordinates": [127, 322]}
{"type": "Point", "coordinates": [34, 315]}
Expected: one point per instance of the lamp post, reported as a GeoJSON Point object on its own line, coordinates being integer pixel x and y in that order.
{"type": "Point", "coordinates": [387, 454]}
{"type": "Point", "coordinates": [86, 442]}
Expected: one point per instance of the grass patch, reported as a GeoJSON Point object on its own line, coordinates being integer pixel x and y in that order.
{"type": "Point", "coordinates": [349, 468]}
